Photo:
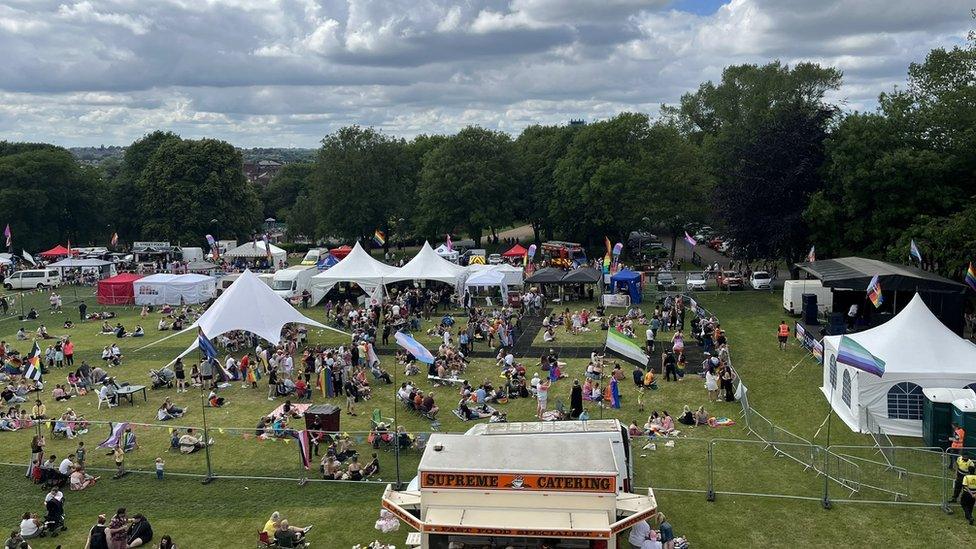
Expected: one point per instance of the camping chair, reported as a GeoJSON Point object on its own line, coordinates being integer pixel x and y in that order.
{"type": "Point", "coordinates": [265, 541]}
{"type": "Point", "coordinates": [106, 401]}
{"type": "Point", "coordinates": [378, 418]}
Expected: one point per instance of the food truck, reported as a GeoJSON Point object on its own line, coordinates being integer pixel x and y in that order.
{"type": "Point", "coordinates": [518, 491]}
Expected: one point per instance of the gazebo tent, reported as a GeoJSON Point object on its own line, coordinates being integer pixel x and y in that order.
{"type": "Point", "coordinates": [170, 289]}
{"type": "Point", "coordinates": [58, 251]}
{"type": "Point", "coordinates": [250, 305]}
{"type": "Point", "coordinates": [257, 250]}
{"type": "Point", "coordinates": [583, 275]}
{"type": "Point", "coordinates": [427, 265]}
{"type": "Point", "coordinates": [117, 290]}
{"type": "Point", "coordinates": [516, 251]}
{"type": "Point", "coordinates": [919, 353]}
{"type": "Point", "coordinates": [327, 262]}
{"type": "Point", "coordinates": [201, 267]}
{"type": "Point", "coordinates": [104, 268]}
{"type": "Point", "coordinates": [514, 276]}
{"type": "Point", "coordinates": [547, 275]}
{"type": "Point", "coordinates": [358, 267]}
{"type": "Point", "coordinates": [488, 279]}
{"type": "Point", "coordinates": [627, 280]}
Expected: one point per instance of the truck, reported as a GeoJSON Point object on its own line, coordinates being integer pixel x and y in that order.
{"type": "Point", "coordinates": [610, 429]}
{"type": "Point", "coordinates": [793, 291]}
{"type": "Point", "coordinates": [564, 254]}
{"type": "Point", "coordinates": [313, 256]}
{"type": "Point", "coordinates": [292, 281]}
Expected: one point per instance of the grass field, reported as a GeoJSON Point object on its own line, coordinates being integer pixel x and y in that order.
{"type": "Point", "coordinates": [228, 512]}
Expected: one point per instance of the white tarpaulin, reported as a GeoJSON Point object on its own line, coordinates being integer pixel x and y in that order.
{"type": "Point", "coordinates": [358, 267]}
{"type": "Point", "coordinates": [427, 265]}
{"type": "Point", "coordinates": [170, 289]}
{"type": "Point", "coordinates": [258, 250]}
{"type": "Point", "coordinates": [919, 353]}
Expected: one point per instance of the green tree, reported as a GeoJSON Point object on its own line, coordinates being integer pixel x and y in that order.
{"type": "Point", "coordinates": [282, 192]}
{"type": "Point", "coordinates": [538, 150]}
{"type": "Point", "coordinates": [124, 192]}
{"type": "Point", "coordinates": [188, 183]}
{"type": "Point", "coordinates": [466, 183]}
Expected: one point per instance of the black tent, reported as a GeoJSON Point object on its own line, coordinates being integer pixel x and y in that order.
{"type": "Point", "coordinates": [547, 275]}
{"type": "Point", "coordinates": [583, 275]}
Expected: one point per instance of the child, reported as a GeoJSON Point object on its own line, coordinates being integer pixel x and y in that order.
{"type": "Point", "coordinates": [159, 468]}
{"type": "Point", "coordinates": [119, 454]}
{"type": "Point", "coordinates": [80, 454]}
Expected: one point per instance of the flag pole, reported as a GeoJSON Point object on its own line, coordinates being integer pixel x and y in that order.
{"type": "Point", "coordinates": [825, 502]}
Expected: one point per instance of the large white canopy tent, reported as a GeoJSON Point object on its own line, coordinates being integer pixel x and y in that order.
{"type": "Point", "coordinates": [489, 278]}
{"type": "Point", "coordinates": [171, 289]}
{"type": "Point", "coordinates": [250, 305]}
{"type": "Point", "coordinates": [358, 267]}
{"type": "Point", "coordinates": [257, 250]}
{"type": "Point", "coordinates": [428, 265]}
{"type": "Point", "coordinates": [513, 276]}
{"type": "Point", "coordinates": [919, 351]}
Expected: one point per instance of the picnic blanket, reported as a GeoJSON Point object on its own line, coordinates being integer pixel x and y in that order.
{"type": "Point", "coordinates": [297, 408]}
{"type": "Point", "coordinates": [483, 411]}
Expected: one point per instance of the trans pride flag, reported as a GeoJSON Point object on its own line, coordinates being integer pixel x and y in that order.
{"type": "Point", "coordinates": [854, 355]}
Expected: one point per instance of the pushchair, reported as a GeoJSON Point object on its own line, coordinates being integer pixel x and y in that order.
{"type": "Point", "coordinates": [163, 377]}
{"type": "Point", "coordinates": [54, 519]}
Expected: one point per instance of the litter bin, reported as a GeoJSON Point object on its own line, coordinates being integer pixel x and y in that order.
{"type": "Point", "coordinates": [964, 415]}
{"type": "Point", "coordinates": [937, 414]}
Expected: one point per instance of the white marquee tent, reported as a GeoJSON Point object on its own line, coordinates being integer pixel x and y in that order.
{"type": "Point", "coordinates": [257, 250]}
{"type": "Point", "coordinates": [447, 253]}
{"type": "Point", "coordinates": [358, 267]}
{"type": "Point", "coordinates": [428, 265]}
{"type": "Point", "coordinates": [513, 276]}
{"type": "Point", "coordinates": [171, 289]}
{"type": "Point", "coordinates": [488, 278]}
{"type": "Point", "coordinates": [250, 305]}
{"type": "Point", "coordinates": [919, 353]}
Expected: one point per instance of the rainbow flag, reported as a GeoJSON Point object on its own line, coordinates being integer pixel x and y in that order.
{"type": "Point", "coordinates": [874, 292]}
{"type": "Point", "coordinates": [971, 276]}
{"type": "Point", "coordinates": [379, 238]}
{"type": "Point", "coordinates": [608, 257]}
{"type": "Point", "coordinates": [854, 355]}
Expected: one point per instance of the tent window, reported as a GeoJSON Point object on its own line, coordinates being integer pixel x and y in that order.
{"type": "Point", "coordinates": [833, 372]}
{"type": "Point", "coordinates": [905, 401]}
{"type": "Point", "coordinates": [845, 391]}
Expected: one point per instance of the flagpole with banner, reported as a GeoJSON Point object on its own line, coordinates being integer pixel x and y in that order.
{"type": "Point", "coordinates": [210, 353]}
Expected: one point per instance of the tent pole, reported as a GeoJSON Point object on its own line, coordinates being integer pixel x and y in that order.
{"type": "Point", "coordinates": [830, 415]}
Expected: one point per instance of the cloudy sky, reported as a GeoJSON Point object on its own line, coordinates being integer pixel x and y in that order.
{"type": "Point", "coordinates": [287, 72]}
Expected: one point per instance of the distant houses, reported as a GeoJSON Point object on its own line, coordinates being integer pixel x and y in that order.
{"type": "Point", "coordinates": [262, 171]}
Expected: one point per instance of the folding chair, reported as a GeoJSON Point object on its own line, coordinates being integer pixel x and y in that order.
{"type": "Point", "coordinates": [378, 418]}
{"type": "Point", "coordinates": [106, 401]}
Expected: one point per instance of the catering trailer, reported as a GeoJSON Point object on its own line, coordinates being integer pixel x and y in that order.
{"type": "Point", "coordinates": [516, 491]}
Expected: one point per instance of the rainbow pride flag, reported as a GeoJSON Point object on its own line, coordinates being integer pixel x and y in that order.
{"type": "Point", "coordinates": [379, 238]}
{"type": "Point", "coordinates": [971, 276]}
{"type": "Point", "coordinates": [854, 355]}
{"type": "Point", "coordinates": [874, 292]}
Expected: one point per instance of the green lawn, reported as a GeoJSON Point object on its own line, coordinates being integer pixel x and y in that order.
{"type": "Point", "coordinates": [343, 513]}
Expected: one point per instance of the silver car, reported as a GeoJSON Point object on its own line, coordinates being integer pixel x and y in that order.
{"type": "Point", "coordinates": [760, 280]}
{"type": "Point", "coordinates": [696, 281]}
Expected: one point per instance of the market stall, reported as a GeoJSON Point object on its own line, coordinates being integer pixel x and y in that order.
{"type": "Point", "coordinates": [259, 254]}
{"type": "Point", "coordinates": [170, 289]}
{"type": "Point", "coordinates": [117, 290]}
{"type": "Point", "coordinates": [57, 252]}
{"type": "Point", "coordinates": [512, 490]}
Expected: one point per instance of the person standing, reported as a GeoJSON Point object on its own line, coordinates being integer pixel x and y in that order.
{"type": "Point", "coordinates": [964, 466]}
{"type": "Point", "coordinates": [542, 396]}
{"type": "Point", "coordinates": [82, 309]}
{"type": "Point", "coordinates": [968, 496]}
{"type": "Point", "coordinates": [97, 536]}
{"type": "Point", "coordinates": [649, 337]}
{"type": "Point", "coordinates": [668, 364]}
{"type": "Point", "coordinates": [957, 440]}
{"type": "Point", "coordinates": [783, 334]}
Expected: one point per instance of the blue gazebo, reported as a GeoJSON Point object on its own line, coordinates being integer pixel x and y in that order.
{"type": "Point", "coordinates": [627, 280]}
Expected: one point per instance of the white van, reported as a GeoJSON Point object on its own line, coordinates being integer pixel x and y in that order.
{"type": "Point", "coordinates": [793, 291]}
{"type": "Point", "coordinates": [312, 257]}
{"type": "Point", "coordinates": [291, 282]}
{"type": "Point", "coordinates": [599, 428]}
{"type": "Point", "coordinates": [33, 278]}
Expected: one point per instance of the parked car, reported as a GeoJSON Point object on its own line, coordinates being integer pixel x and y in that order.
{"type": "Point", "coordinates": [665, 281]}
{"type": "Point", "coordinates": [724, 247]}
{"type": "Point", "coordinates": [715, 243]}
{"type": "Point", "coordinates": [495, 259]}
{"type": "Point", "coordinates": [33, 278]}
{"type": "Point", "coordinates": [704, 233]}
{"type": "Point", "coordinates": [638, 239]}
{"type": "Point", "coordinates": [760, 280]}
{"type": "Point", "coordinates": [696, 281]}
{"type": "Point", "coordinates": [728, 280]}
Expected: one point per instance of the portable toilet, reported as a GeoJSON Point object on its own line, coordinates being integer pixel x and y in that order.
{"type": "Point", "coordinates": [937, 414]}
{"type": "Point", "coordinates": [964, 415]}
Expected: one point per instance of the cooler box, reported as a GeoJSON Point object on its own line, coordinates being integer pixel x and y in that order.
{"type": "Point", "coordinates": [964, 415]}
{"type": "Point", "coordinates": [937, 414]}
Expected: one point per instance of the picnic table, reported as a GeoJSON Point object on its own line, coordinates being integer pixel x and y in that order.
{"type": "Point", "coordinates": [129, 390]}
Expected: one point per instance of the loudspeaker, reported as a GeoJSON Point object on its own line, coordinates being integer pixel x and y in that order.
{"type": "Point", "coordinates": [809, 309]}
{"type": "Point", "coordinates": [322, 417]}
{"type": "Point", "coordinates": [836, 324]}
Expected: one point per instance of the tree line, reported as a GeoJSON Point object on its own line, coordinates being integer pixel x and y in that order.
{"type": "Point", "coordinates": [766, 155]}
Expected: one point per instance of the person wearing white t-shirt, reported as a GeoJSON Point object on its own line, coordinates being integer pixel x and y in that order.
{"type": "Point", "coordinates": [642, 536]}
{"type": "Point", "coordinates": [30, 526]}
{"type": "Point", "coordinates": [65, 467]}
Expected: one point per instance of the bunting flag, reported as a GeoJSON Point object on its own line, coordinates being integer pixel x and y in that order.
{"type": "Point", "coordinates": [874, 292]}
{"type": "Point", "coordinates": [116, 432]}
{"type": "Point", "coordinates": [9, 235]}
{"type": "Point", "coordinates": [854, 355]}
{"type": "Point", "coordinates": [379, 238]}
{"type": "Point", "coordinates": [303, 448]}
{"type": "Point", "coordinates": [690, 240]}
{"type": "Point", "coordinates": [812, 255]}
{"type": "Point", "coordinates": [414, 347]}
{"type": "Point", "coordinates": [971, 276]}
{"type": "Point", "coordinates": [115, 240]}
{"type": "Point", "coordinates": [913, 252]}
{"type": "Point", "coordinates": [625, 346]}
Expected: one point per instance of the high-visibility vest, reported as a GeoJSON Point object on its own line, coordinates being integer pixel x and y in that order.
{"type": "Point", "coordinates": [960, 437]}
{"type": "Point", "coordinates": [969, 481]}
{"type": "Point", "coordinates": [964, 465]}
{"type": "Point", "coordinates": [784, 330]}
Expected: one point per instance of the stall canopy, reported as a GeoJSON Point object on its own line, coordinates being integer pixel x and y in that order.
{"type": "Point", "coordinates": [117, 290]}
{"type": "Point", "coordinates": [341, 252]}
{"type": "Point", "coordinates": [487, 279]}
{"type": "Point", "coordinates": [202, 267]}
{"type": "Point", "coordinates": [250, 305]}
{"type": "Point", "coordinates": [583, 275]}
{"type": "Point", "coordinates": [170, 289]}
{"type": "Point", "coordinates": [427, 265]}
{"type": "Point", "coordinates": [516, 251]}
{"type": "Point", "coordinates": [629, 281]}
{"type": "Point", "coordinates": [58, 251]}
{"type": "Point", "coordinates": [514, 276]}
{"type": "Point", "coordinates": [357, 267]}
{"type": "Point", "coordinates": [104, 268]}
{"type": "Point", "coordinates": [547, 275]}
{"type": "Point", "coordinates": [257, 250]}
{"type": "Point", "coordinates": [327, 262]}
{"type": "Point", "coordinates": [919, 353]}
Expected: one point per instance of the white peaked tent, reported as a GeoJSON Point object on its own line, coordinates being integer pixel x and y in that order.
{"type": "Point", "coordinates": [428, 265]}
{"type": "Point", "coordinates": [446, 253]}
{"type": "Point", "coordinates": [257, 250]}
{"type": "Point", "coordinates": [487, 279]}
{"type": "Point", "coordinates": [919, 353]}
{"type": "Point", "coordinates": [358, 267]}
{"type": "Point", "coordinates": [249, 304]}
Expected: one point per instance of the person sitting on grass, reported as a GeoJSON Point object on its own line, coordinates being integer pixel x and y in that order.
{"type": "Point", "coordinates": [215, 401]}
{"type": "Point", "coordinates": [168, 410]}
{"type": "Point", "coordinates": [275, 522]}
{"type": "Point", "coordinates": [80, 480]}
{"type": "Point", "coordinates": [140, 532]}
{"type": "Point", "coordinates": [701, 416]}
{"type": "Point", "coordinates": [372, 467]}
{"type": "Point", "coordinates": [189, 443]}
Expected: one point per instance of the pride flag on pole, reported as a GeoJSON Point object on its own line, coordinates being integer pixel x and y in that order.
{"type": "Point", "coordinates": [414, 347]}
{"type": "Point", "coordinates": [812, 255]}
{"type": "Point", "coordinates": [874, 292]}
{"type": "Point", "coordinates": [379, 238]}
{"type": "Point", "coordinates": [913, 252]}
{"type": "Point", "coordinates": [626, 347]}
{"type": "Point", "coordinates": [854, 355]}
{"type": "Point", "coordinates": [690, 240]}
{"type": "Point", "coordinates": [971, 276]}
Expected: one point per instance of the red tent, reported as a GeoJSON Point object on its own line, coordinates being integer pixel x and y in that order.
{"type": "Point", "coordinates": [117, 290]}
{"type": "Point", "coordinates": [341, 252]}
{"type": "Point", "coordinates": [58, 251]}
{"type": "Point", "coordinates": [516, 251]}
